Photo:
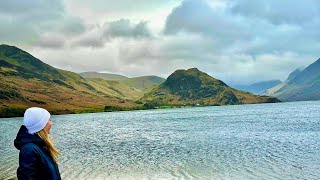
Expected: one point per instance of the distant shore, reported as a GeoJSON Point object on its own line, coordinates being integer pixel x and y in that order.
{"type": "Point", "coordinates": [9, 112]}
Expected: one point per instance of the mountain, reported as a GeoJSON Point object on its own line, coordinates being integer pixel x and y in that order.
{"type": "Point", "coordinates": [260, 87]}
{"type": "Point", "coordinates": [193, 87]}
{"type": "Point", "coordinates": [294, 73]}
{"type": "Point", "coordinates": [144, 82]}
{"type": "Point", "coordinates": [18, 63]}
{"type": "Point", "coordinates": [116, 89]}
{"type": "Point", "coordinates": [300, 86]}
{"type": "Point", "coordinates": [141, 83]}
{"type": "Point", "coordinates": [27, 81]}
{"type": "Point", "coordinates": [105, 76]}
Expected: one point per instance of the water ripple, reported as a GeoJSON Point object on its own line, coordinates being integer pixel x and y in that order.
{"type": "Point", "coordinates": [266, 141]}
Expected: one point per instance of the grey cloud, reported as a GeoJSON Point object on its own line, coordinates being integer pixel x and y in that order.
{"type": "Point", "coordinates": [21, 21]}
{"type": "Point", "coordinates": [187, 46]}
{"type": "Point", "coordinates": [71, 26]}
{"type": "Point", "coordinates": [197, 16]}
{"type": "Point", "coordinates": [123, 6]}
{"type": "Point", "coordinates": [278, 12]}
{"type": "Point", "coordinates": [94, 39]}
{"type": "Point", "coordinates": [50, 44]}
{"type": "Point", "coordinates": [13, 31]}
{"type": "Point", "coordinates": [32, 12]}
{"type": "Point", "coordinates": [50, 41]}
{"type": "Point", "coordinates": [239, 42]}
{"type": "Point", "coordinates": [124, 28]}
{"type": "Point", "coordinates": [24, 22]}
{"type": "Point", "coordinates": [136, 52]}
{"type": "Point", "coordinates": [230, 32]}
{"type": "Point", "coordinates": [244, 47]}
{"type": "Point", "coordinates": [36, 8]}
{"type": "Point", "coordinates": [187, 17]}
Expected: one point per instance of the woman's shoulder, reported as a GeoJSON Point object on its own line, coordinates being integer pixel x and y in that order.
{"type": "Point", "coordinates": [30, 149]}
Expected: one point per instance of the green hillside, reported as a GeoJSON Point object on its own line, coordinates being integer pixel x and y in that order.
{"type": "Point", "coordinates": [115, 88]}
{"type": "Point", "coordinates": [15, 62]}
{"type": "Point", "coordinates": [26, 81]}
{"type": "Point", "coordinates": [193, 87]}
{"type": "Point", "coordinates": [143, 82]}
{"type": "Point", "coordinates": [105, 76]}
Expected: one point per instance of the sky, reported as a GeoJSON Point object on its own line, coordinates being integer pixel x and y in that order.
{"type": "Point", "coordinates": [236, 41]}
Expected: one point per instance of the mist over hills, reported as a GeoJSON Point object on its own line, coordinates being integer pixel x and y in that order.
{"type": "Point", "coordinates": [294, 73]}
{"type": "Point", "coordinates": [259, 87]}
{"type": "Point", "coordinates": [301, 85]}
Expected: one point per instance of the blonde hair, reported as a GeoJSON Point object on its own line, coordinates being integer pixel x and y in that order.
{"type": "Point", "coordinates": [52, 150]}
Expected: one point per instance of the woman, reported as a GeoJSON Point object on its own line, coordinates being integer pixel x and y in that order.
{"type": "Point", "coordinates": [38, 156]}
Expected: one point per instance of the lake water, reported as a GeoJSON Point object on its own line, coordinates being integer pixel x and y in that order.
{"type": "Point", "coordinates": [264, 141]}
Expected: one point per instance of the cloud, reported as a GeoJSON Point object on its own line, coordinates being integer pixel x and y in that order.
{"type": "Point", "coordinates": [50, 41]}
{"type": "Point", "coordinates": [79, 59]}
{"type": "Point", "coordinates": [247, 69]}
{"type": "Point", "coordinates": [35, 10]}
{"type": "Point", "coordinates": [123, 28]}
{"type": "Point", "coordinates": [121, 7]}
{"type": "Point", "coordinates": [70, 26]}
{"type": "Point", "coordinates": [199, 17]}
{"type": "Point", "coordinates": [92, 38]}
{"type": "Point", "coordinates": [237, 41]}
{"type": "Point", "coordinates": [242, 41]}
{"type": "Point", "coordinates": [278, 12]}
{"type": "Point", "coordinates": [97, 36]}
{"type": "Point", "coordinates": [24, 22]}
{"type": "Point", "coordinates": [249, 27]}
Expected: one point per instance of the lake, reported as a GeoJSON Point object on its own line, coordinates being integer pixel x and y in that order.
{"type": "Point", "coordinates": [262, 141]}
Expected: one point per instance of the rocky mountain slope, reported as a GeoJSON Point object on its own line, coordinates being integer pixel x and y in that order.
{"type": "Point", "coordinates": [193, 87]}
{"type": "Point", "coordinates": [259, 87]}
{"type": "Point", "coordinates": [301, 85]}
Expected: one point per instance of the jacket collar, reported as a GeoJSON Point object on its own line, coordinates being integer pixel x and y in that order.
{"type": "Point", "coordinates": [23, 137]}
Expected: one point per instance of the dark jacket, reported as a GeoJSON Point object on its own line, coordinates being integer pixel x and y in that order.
{"type": "Point", "coordinates": [35, 161]}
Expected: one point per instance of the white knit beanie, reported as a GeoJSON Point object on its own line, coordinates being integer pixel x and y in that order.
{"type": "Point", "coordinates": [35, 119]}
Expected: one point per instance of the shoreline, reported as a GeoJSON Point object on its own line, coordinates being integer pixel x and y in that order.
{"type": "Point", "coordinates": [9, 112]}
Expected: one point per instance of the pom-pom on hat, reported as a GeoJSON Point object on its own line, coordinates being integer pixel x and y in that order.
{"type": "Point", "coordinates": [35, 119]}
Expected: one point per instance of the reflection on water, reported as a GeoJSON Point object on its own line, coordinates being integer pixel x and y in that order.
{"type": "Point", "coordinates": [266, 141]}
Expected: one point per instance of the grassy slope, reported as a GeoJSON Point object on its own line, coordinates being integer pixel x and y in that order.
{"type": "Point", "coordinates": [143, 82]}
{"type": "Point", "coordinates": [56, 98]}
{"type": "Point", "coordinates": [105, 76]}
{"type": "Point", "coordinates": [26, 81]}
{"type": "Point", "coordinates": [115, 89]}
{"type": "Point", "coordinates": [192, 87]}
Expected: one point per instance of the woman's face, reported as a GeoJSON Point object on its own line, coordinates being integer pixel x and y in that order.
{"type": "Point", "coordinates": [48, 126]}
